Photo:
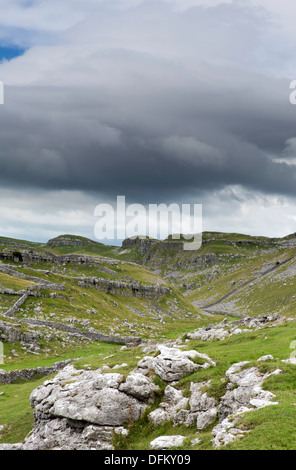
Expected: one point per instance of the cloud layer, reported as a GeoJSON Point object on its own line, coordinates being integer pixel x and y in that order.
{"type": "Point", "coordinates": [159, 101]}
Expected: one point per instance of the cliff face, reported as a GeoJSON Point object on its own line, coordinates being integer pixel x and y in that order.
{"type": "Point", "coordinates": [142, 244]}
{"type": "Point", "coordinates": [26, 256]}
{"type": "Point", "coordinates": [125, 288]}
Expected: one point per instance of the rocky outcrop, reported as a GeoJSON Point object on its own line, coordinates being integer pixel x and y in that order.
{"type": "Point", "coordinates": [125, 288]}
{"type": "Point", "coordinates": [41, 283]}
{"type": "Point", "coordinates": [85, 409]}
{"type": "Point", "coordinates": [198, 411]}
{"type": "Point", "coordinates": [11, 332]}
{"type": "Point", "coordinates": [244, 394]}
{"type": "Point", "coordinates": [23, 253]}
{"type": "Point", "coordinates": [144, 244]}
{"type": "Point", "coordinates": [173, 364]}
{"type": "Point", "coordinates": [27, 256]}
{"type": "Point", "coordinates": [173, 401]}
{"type": "Point", "coordinates": [82, 410]}
{"type": "Point", "coordinates": [166, 442]}
{"type": "Point", "coordinates": [225, 329]}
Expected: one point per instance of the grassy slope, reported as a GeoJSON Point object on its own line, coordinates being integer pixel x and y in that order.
{"type": "Point", "coordinates": [79, 302]}
{"type": "Point", "coordinates": [271, 427]}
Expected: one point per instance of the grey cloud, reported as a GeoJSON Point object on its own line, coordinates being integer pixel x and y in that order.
{"type": "Point", "coordinates": [151, 103]}
{"type": "Point", "coordinates": [158, 153]}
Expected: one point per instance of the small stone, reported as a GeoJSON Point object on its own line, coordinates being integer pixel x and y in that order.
{"type": "Point", "coordinates": [268, 357]}
{"type": "Point", "coordinates": [195, 441]}
{"type": "Point", "coordinates": [166, 442]}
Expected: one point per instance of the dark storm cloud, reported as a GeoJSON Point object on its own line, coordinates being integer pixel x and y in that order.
{"type": "Point", "coordinates": [158, 143]}
{"type": "Point", "coordinates": [150, 103]}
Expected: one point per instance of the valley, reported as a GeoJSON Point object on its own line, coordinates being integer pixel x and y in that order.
{"type": "Point", "coordinates": [74, 302]}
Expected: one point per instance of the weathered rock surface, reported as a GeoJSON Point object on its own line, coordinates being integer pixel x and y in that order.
{"type": "Point", "coordinates": [71, 241]}
{"type": "Point", "coordinates": [60, 433]}
{"type": "Point", "coordinates": [11, 332]}
{"type": "Point", "coordinates": [244, 394]}
{"type": "Point", "coordinates": [166, 442]}
{"type": "Point", "coordinates": [139, 386]}
{"type": "Point", "coordinates": [173, 402]}
{"type": "Point", "coordinates": [144, 244]}
{"type": "Point", "coordinates": [81, 409]}
{"type": "Point", "coordinates": [85, 409]}
{"type": "Point", "coordinates": [89, 396]}
{"type": "Point", "coordinates": [125, 288]}
{"type": "Point", "coordinates": [199, 411]}
{"type": "Point", "coordinates": [173, 364]}
{"type": "Point", "coordinates": [225, 329]}
{"type": "Point", "coordinates": [202, 407]}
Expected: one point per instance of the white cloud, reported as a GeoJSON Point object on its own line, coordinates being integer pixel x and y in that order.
{"type": "Point", "coordinates": [46, 214]}
{"type": "Point", "coordinates": [185, 4]}
{"type": "Point", "coordinates": [235, 209]}
{"type": "Point", "coordinates": [41, 215]}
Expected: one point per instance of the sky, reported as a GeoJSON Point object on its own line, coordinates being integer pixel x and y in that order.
{"type": "Point", "coordinates": [162, 101]}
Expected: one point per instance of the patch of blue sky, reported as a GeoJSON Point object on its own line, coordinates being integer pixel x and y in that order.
{"type": "Point", "coordinates": [15, 41]}
{"type": "Point", "coordinates": [9, 52]}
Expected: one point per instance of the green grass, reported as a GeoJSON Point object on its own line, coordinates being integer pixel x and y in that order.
{"type": "Point", "coordinates": [25, 361]}
{"type": "Point", "coordinates": [16, 414]}
{"type": "Point", "coordinates": [11, 282]}
{"type": "Point", "coordinates": [273, 427]}
{"type": "Point", "coordinates": [270, 428]}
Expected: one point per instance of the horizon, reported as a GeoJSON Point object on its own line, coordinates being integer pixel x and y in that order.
{"type": "Point", "coordinates": [119, 242]}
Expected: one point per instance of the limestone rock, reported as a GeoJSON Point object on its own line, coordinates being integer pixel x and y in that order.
{"type": "Point", "coordinates": [159, 416]}
{"type": "Point", "coordinates": [199, 401]}
{"type": "Point", "coordinates": [225, 329]}
{"type": "Point", "coordinates": [91, 397]}
{"type": "Point", "coordinates": [140, 387]}
{"type": "Point", "coordinates": [166, 442]}
{"type": "Point", "coordinates": [195, 441]}
{"type": "Point", "coordinates": [206, 418]}
{"type": "Point", "coordinates": [201, 413]}
{"type": "Point", "coordinates": [291, 360]}
{"type": "Point", "coordinates": [202, 407]}
{"type": "Point", "coordinates": [225, 432]}
{"type": "Point", "coordinates": [172, 364]}
{"type": "Point", "coordinates": [268, 357]}
{"type": "Point", "coordinates": [209, 334]}
{"type": "Point", "coordinates": [84, 409]}
{"type": "Point", "coordinates": [173, 401]}
{"type": "Point", "coordinates": [244, 393]}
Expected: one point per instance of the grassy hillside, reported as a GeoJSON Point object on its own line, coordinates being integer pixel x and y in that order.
{"type": "Point", "coordinates": [156, 291]}
{"type": "Point", "coordinates": [271, 427]}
